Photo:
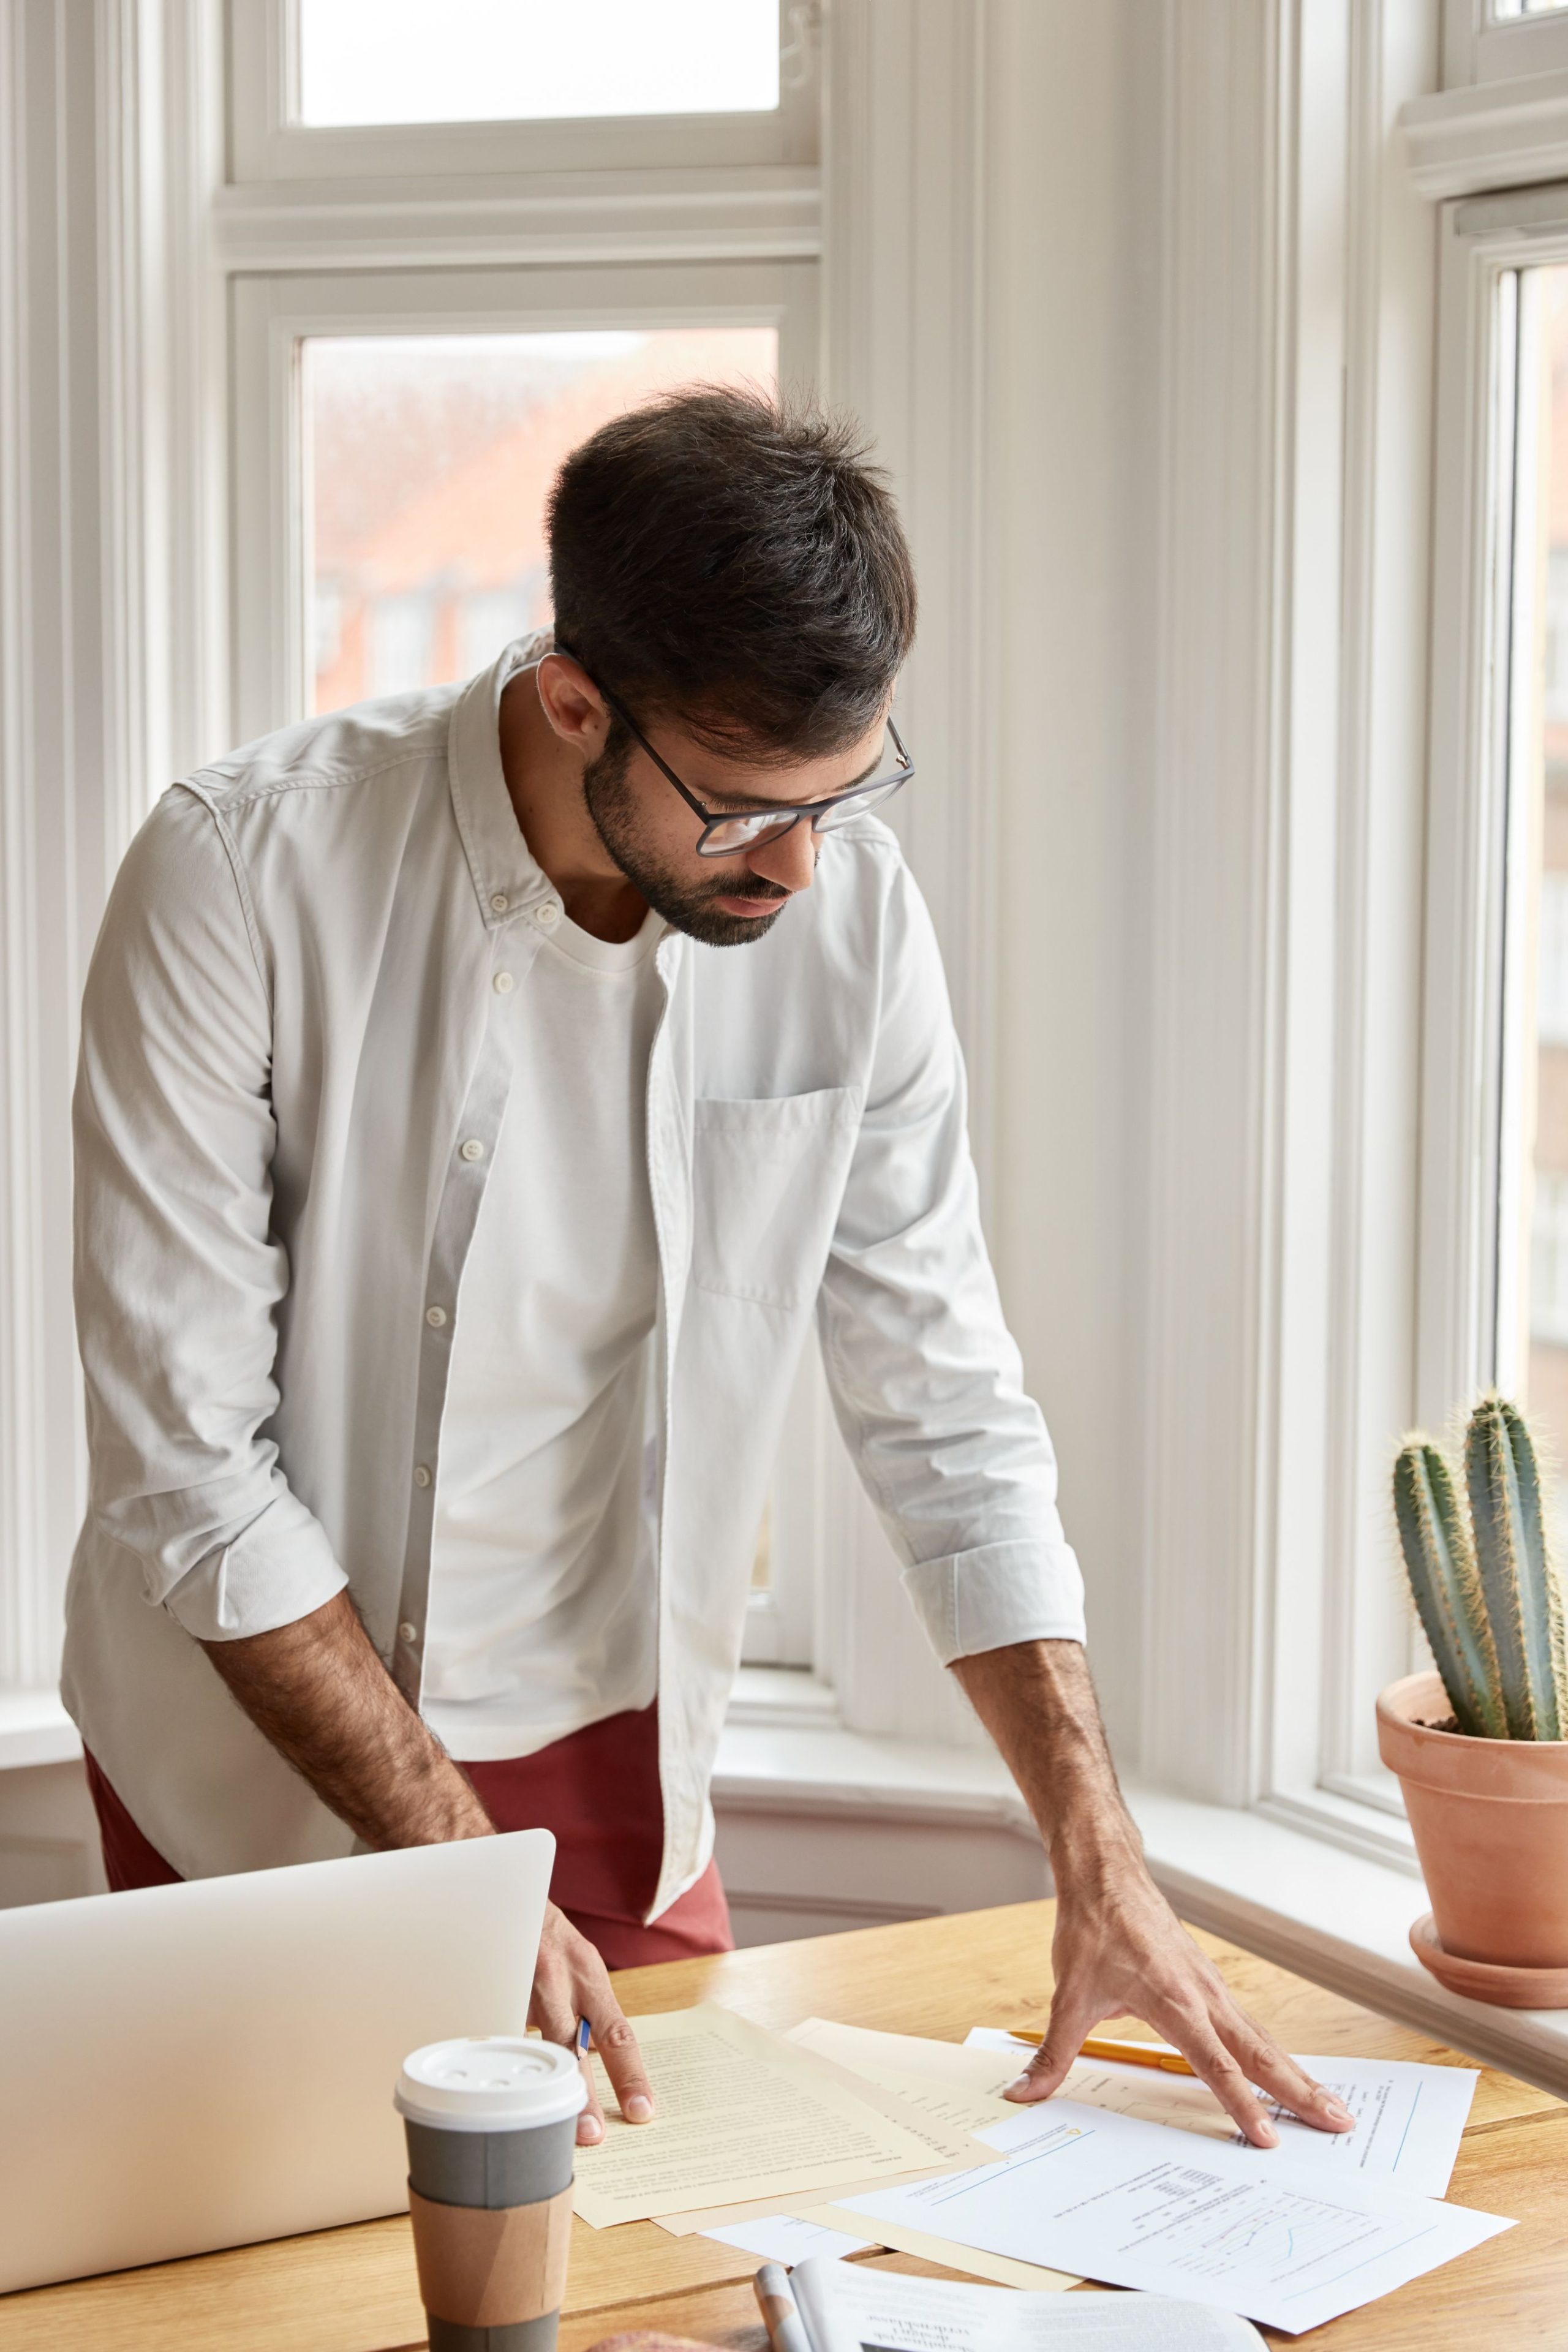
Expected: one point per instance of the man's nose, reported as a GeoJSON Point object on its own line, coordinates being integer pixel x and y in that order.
{"type": "Point", "coordinates": [791, 860]}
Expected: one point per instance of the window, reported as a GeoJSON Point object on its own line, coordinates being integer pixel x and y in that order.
{"type": "Point", "coordinates": [326, 89]}
{"type": "Point", "coordinates": [1495, 1243]}
{"type": "Point", "coordinates": [480, 60]}
{"type": "Point", "coordinates": [429, 458]}
{"type": "Point", "coordinates": [1531, 1314]}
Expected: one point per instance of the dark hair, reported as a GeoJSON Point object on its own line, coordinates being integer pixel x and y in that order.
{"type": "Point", "coordinates": [734, 559]}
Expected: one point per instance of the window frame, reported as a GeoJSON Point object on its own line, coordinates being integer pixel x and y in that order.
{"type": "Point", "coordinates": [267, 143]}
{"type": "Point", "coordinates": [1469, 1270]}
{"type": "Point", "coordinates": [271, 314]}
{"type": "Point", "coordinates": [1481, 46]}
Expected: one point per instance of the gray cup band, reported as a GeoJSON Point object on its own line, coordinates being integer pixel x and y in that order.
{"type": "Point", "coordinates": [491, 2169]}
{"type": "Point", "coordinates": [522, 2336]}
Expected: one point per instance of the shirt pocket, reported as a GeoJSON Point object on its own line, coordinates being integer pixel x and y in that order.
{"type": "Point", "coordinates": [767, 1179]}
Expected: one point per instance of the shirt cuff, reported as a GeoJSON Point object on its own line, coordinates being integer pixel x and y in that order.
{"type": "Point", "coordinates": [999, 1594]}
{"type": "Point", "coordinates": [280, 1569]}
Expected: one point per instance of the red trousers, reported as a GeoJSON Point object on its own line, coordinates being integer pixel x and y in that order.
{"type": "Point", "coordinates": [598, 1790]}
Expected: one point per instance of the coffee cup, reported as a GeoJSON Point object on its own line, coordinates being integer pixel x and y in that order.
{"type": "Point", "coordinates": [491, 2128]}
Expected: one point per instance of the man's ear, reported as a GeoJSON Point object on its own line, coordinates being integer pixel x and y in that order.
{"type": "Point", "coordinates": [573, 705]}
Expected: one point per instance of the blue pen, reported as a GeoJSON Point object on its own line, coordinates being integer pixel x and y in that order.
{"type": "Point", "coordinates": [584, 2035]}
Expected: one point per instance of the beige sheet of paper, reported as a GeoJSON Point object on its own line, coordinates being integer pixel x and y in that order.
{"type": "Point", "coordinates": [765, 2208]}
{"type": "Point", "coordinates": [973, 2259]}
{"type": "Point", "coordinates": [743, 2115]}
{"type": "Point", "coordinates": [961, 2084]}
{"type": "Point", "coordinates": [952, 2082]}
{"type": "Point", "coordinates": [962, 2152]}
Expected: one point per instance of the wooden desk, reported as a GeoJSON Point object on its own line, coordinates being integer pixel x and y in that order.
{"type": "Point", "coordinates": [353, 2291]}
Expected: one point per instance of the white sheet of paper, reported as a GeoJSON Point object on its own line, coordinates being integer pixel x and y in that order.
{"type": "Point", "coordinates": [1409, 2117]}
{"type": "Point", "coordinates": [742, 2115]}
{"type": "Point", "coordinates": [1128, 2201]}
{"type": "Point", "coordinates": [852, 2308]}
{"type": "Point", "coordinates": [790, 2238]}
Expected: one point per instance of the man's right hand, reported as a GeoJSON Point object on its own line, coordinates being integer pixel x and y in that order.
{"type": "Point", "coordinates": [571, 1981]}
{"type": "Point", "coordinates": [321, 1695]}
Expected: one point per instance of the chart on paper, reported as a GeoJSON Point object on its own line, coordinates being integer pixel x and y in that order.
{"type": "Point", "coordinates": [1137, 2205]}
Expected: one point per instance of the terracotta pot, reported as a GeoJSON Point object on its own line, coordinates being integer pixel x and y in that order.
{"type": "Point", "coordinates": [1491, 1823]}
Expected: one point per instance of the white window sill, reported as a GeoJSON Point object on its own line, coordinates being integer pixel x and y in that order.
{"type": "Point", "coordinates": [1305, 1897]}
{"type": "Point", "coordinates": [36, 1730]}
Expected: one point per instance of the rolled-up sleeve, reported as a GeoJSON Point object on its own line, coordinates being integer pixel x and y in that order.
{"type": "Point", "coordinates": [926, 1380]}
{"type": "Point", "coordinates": [179, 1277]}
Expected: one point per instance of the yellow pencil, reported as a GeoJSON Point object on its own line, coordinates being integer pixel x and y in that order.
{"type": "Point", "coordinates": [1132, 2053]}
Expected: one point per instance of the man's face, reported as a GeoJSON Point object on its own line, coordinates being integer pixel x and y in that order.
{"type": "Point", "coordinates": [652, 835]}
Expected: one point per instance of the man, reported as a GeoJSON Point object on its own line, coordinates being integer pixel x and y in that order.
{"type": "Point", "coordinates": [452, 1209]}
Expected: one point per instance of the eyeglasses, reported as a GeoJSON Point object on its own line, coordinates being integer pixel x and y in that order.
{"type": "Point", "coordinates": [723, 836]}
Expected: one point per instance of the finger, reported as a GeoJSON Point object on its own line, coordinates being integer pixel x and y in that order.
{"type": "Point", "coordinates": [1070, 2019]}
{"type": "Point", "coordinates": [1273, 2070]}
{"type": "Point", "coordinates": [553, 2010]}
{"type": "Point", "coordinates": [617, 2046]}
{"type": "Point", "coordinates": [1211, 2062]}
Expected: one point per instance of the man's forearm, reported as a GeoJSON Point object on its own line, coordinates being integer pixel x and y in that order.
{"type": "Point", "coordinates": [320, 1695]}
{"type": "Point", "coordinates": [1036, 1700]}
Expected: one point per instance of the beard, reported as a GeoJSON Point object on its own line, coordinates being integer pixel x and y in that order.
{"type": "Point", "coordinates": [687, 907]}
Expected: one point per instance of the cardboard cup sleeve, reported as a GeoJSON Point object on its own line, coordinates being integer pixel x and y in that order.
{"type": "Point", "coordinates": [482, 2266]}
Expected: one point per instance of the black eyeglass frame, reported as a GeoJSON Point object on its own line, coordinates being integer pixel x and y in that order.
{"type": "Point", "coordinates": [874, 791]}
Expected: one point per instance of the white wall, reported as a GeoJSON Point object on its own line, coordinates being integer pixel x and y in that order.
{"type": "Point", "coordinates": [1073, 320]}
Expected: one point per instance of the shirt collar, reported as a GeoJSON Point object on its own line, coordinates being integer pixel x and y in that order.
{"type": "Point", "coordinates": [506, 874]}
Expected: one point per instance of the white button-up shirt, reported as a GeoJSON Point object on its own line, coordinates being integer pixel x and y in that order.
{"type": "Point", "coordinates": [290, 1042]}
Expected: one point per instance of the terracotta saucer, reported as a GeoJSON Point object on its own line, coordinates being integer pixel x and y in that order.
{"type": "Point", "coordinates": [1505, 1987]}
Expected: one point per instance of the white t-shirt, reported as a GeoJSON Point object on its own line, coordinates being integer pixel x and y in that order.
{"type": "Point", "coordinates": [542, 1612]}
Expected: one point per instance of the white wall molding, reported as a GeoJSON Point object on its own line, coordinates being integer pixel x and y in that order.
{"type": "Point", "coordinates": [755, 212]}
{"type": "Point", "coordinates": [1288, 829]}
{"type": "Point", "coordinates": [107, 633]}
{"type": "Point", "coordinates": [58, 781]}
{"type": "Point", "coordinates": [905, 301]}
{"type": "Point", "coordinates": [1218, 770]}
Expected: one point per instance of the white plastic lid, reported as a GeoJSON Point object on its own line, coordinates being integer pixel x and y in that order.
{"type": "Point", "coordinates": [503, 2082]}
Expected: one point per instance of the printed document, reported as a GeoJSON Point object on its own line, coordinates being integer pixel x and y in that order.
{"type": "Point", "coordinates": [1288, 2244]}
{"type": "Point", "coordinates": [1408, 2117]}
{"type": "Point", "coordinates": [850, 2307]}
{"type": "Point", "coordinates": [791, 2237]}
{"type": "Point", "coordinates": [740, 2113]}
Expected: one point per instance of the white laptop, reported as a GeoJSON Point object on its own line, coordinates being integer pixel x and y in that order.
{"type": "Point", "coordinates": [203, 2065]}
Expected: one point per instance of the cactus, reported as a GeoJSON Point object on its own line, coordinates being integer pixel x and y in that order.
{"type": "Point", "coordinates": [1441, 1564]}
{"type": "Point", "coordinates": [1486, 1588]}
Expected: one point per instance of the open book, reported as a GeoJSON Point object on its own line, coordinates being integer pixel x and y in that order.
{"type": "Point", "coordinates": [851, 2307]}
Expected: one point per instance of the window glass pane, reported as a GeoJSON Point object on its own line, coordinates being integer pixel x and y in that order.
{"type": "Point", "coordinates": [1532, 1271]}
{"type": "Point", "coordinates": [533, 60]}
{"type": "Point", "coordinates": [430, 458]}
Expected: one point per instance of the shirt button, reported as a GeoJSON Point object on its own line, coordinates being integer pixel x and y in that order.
{"type": "Point", "coordinates": [503, 983]}
{"type": "Point", "coordinates": [407, 1632]}
{"type": "Point", "coordinates": [549, 914]}
{"type": "Point", "coordinates": [472, 1150]}
{"type": "Point", "coordinates": [421, 1476]}
{"type": "Point", "coordinates": [499, 903]}
{"type": "Point", "coordinates": [435, 1317]}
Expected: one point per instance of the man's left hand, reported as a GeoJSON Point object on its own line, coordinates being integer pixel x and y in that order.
{"type": "Point", "coordinates": [1120, 1950]}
